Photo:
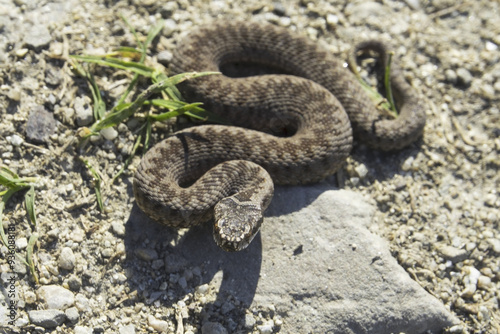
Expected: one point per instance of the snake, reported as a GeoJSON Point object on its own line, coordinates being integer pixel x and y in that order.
{"type": "Point", "coordinates": [293, 110]}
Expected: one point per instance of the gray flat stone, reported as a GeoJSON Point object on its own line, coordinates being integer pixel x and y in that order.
{"type": "Point", "coordinates": [46, 318]}
{"type": "Point", "coordinates": [323, 268]}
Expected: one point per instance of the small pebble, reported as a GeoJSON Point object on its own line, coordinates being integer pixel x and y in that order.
{"type": "Point", "coordinates": [169, 27]}
{"type": "Point", "coordinates": [451, 253]}
{"type": "Point", "coordinates": [332, 20]}
{"type": "Point", "coordinates": [495, 244]}
{"type": "Point", "coordinates": [129, 329]}
{"type": "Point", "coordinates": [408, 164]}
{"type": "Point", "coordinates": [451, 76]}
{"type": "Point", "coordinates": [266, 328]}
{"type": "Point", "coordinates": [182, 282]}
{"type": "Point", "coordinates": [72, 314]}
{"type": "Point", "coordinates": [21, 243]}
{"type": "Point", "coordinates": [165, 57]}
{"type": "Point", "coordinates": [249, 321]}
{"type": "Point", "coordinates": [14, 95]}
{"type": "Point", "coordinates": [67, 259]}
{"type": "Point", "coordinates": [490, 200]}
{"type": "Point", "coordinates": [107, 252]}
{"type": "Point", "coordinates": [159, 325]}
{"type": "Point", "coordinates": [74, 283]}
{"type": "Point", "coordinates": [83, 112]}
{"type": "Point", "coordinates": [83, 330]}
{"type": "Point", "coordinates": [168, 9]}
{"type": "Point", "coordinates": [146, 254]}
{"type": "Point", "coordinates": [118, 228]}
{"type": "Point", "coordinates": [202, 289]}
{"type": "Point", "coordinates": [30, 297]}
{"type": "Point", "coordinates": [157, 264]}
{"type": "Point", "coordinates": [279, 9]}
{"type": "Point", "coordinates": [56, 297]}
{"type": "Point", "coordinates": [227, 307]}
{"type": "Point", "coordinates": [46, 318]}
{"type": "Point", "coordinates": [414, 4]}
{"type": "Point", "coordinates": [22, 52]}
{"type": "Point", "coordinates": [40, 126]}
{"type": "Point", "coordinates": [484, 282]}
{"type": "Point", "coordinates": [53, 76]}
{"type": "Point", "coordinates": [464, 77]}
{"type": "Point", "coordinates": [109, 133]}
{"type": "Point", "coordinates": [213, 328]}
{"type": "Point", "coordinates": [361, 170]}
{"type": "Point", "coordinates": [491, 46]}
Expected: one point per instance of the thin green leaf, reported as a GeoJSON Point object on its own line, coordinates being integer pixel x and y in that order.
{"type": "Point", "coordinates": [117, 117]}
{"type": "Point", "coordinates": [131, 66]}
{"type": "Point", "coordinates": [171, 93]}
{"type": "Point", "coordinates": [174, 113]}
{"type": "Point", "coordinates": [99, 105]}
{"type": "Point", "coordinates": [387, 83]}
{"type": "Point", "coordinates": [97, 183]}
{"type": "Point", "coordinates": [153, 32]}
{"type": "Point", "coordinates": [147, 137]}
{"type": "Point", "coordinates": [151, 35]}
{"type": "Point", "coordinates": [8, 178]}
{"type": "Point", "coordinates": [29, 256]}
{"type": "Point", "coordinates": [128, 51]}
{"type": "Point", "coordinates": [2, 232]}
{"type": "Point", "coordinates": [129, 159]}
{"type": "Point", "coordinates": [4, 170]}
{"type": "Point", "coordinates": [168, 104]}
{"type": "Point", "coordinates": [132, 30]}
{"type": "Point", "coordinates": [29, 199]}
{"type": "Point", "coordinates": [378, 99]}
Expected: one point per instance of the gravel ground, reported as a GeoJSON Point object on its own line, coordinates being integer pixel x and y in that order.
{"type": "Point", "coordinates": [438, 201]}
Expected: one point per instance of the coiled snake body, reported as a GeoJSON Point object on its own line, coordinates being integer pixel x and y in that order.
{"type": "Point", "coordinates": [294, 127]}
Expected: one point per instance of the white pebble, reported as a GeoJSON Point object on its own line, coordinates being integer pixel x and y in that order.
{"type": "Point", "coordinates": [202, 289]}
{"type": "Point", "coordinates": [159, 325]}
{"type": "Point", "coordinates": [21, 243]}
{"type": "Point", "coordinates": [484, 282]}
{"type": "Point", "coordinates": [109, 133]}
{"type": "Point", "coordinates": [15, 140]}
{"type": "Point", "coordinates": [407, 165]}
{"type": "Point", "coordinates": [249, 321]}
{"type": "Point", "coordinates": [129, 329]}
{"type": "Point", "coordinates": [83, 330]}
{"type": "Point", "coordinates": [491, 46]}
{"type": "Point", "coordinates": [361, 170]}
{"type": "Point", "coordinates": [266, 328]}
{"type": "Point", "coordinates": [332, 20]}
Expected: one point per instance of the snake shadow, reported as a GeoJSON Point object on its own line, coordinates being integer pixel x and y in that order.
{"type": "Point", "coordinates": [190, 259]}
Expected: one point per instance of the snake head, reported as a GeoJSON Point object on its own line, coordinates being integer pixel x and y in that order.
{"type": "Point", "coordinates": [236, 223]}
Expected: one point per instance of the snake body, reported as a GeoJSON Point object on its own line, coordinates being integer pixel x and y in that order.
{"type": "Point", "coordinates": [293, 126]}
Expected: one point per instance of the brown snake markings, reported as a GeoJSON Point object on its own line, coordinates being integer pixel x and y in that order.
{"type": "Point", "coordinates": [291, 129]}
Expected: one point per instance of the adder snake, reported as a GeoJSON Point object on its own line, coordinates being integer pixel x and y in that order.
{"type": "Point", "coordinates": [292, 126]}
